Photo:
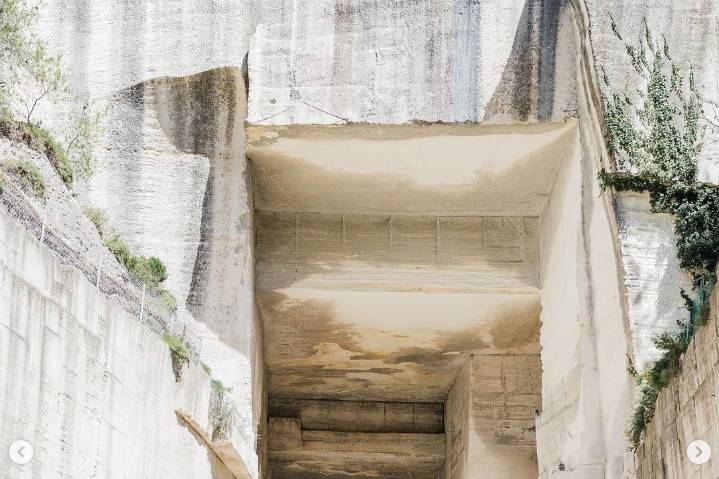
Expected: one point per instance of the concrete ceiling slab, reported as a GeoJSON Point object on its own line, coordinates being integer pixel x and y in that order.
{"type": "Point", "coordinates": [435, 169]}
{"type": "Point", "coordinates": [386, 346]}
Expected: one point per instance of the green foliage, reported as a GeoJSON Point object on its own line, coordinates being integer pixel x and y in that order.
{"type": "Point", "coordinates": [28, 174]}
{"type": "Point", "coordinates": [657, 376]}
{"type": "Point", "coordinates": [206, 368]}
{"type": "Point", "coordinates": [655, 138]}
{"type": "Point", "coordinates": [85, 125]}
{"type": "Point", "coordinates": [220, 412]}
{"type": "Point", "coordinates": [696, 223]}
{"type": "Point", "coordinates": [98, 218]}
{"type": "Point", "coordinates": [40, 140]}
{"type": "Point", "coordinates": [177, 347]}
{"type": "Point", "coordinates": [219, 387]}
{"type": "Point", "coordinates": [151, 271]}
{"type": "Point", "coordinates": [655, 132]}
{"type": "Point", "coordinates": [180, 354]}
{"type": "Point", "coordinates": [31, 73]}
{"type": "Point", "coordinates": [169, 300]}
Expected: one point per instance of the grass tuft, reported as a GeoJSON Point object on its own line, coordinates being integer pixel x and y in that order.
{"type": "Point", "coordinates": [28, 174]}
{"type": "Point", "coordinates": [40, 140]}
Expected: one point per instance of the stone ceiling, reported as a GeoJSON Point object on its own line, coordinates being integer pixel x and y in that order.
{"type": "Point", "coordinates": [386, 253]}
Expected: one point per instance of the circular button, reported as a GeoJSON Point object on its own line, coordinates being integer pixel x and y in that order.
{"type": "Point", "coordinates": [699, 452]}
{"type": "Point", "coordinates": [20, 452]}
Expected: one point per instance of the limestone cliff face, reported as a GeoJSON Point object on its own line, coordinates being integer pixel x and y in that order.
{"type": "Point", "coordinates": [85, 383]}
{"type": "Point", "coordinates": [182, 77]}
{"type": "Point", "coordinates": [687, 410]}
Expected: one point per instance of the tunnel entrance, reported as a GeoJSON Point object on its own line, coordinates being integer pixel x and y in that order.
{"type": "Point", "coordinates": [398, 280]}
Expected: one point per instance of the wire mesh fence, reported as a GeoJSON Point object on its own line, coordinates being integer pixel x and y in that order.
{"type": "Point", "coordinates": [700, 308]}
{"type": "Point", "coordinates": [47, 221]}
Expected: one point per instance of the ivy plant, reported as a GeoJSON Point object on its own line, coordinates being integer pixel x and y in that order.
{"type": "Point", "coordinates": [654, 133]}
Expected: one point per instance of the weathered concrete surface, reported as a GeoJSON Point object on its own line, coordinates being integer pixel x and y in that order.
{"type": "Point", "coordinates": [174, 184]}
{"type": "Point", "coordinates": [361, 416]}
{"type": "Point", "coordinates": [374, 62]}
{"type": "Point", "coordinates": [586, 392]}
{"type": "Point", "coordinates": [361, 439]}
{"type": "Point", "coordinates": [75, 379]}
{"type": "Point", "coordinates": [686, 410]}
{"type": "Point", "coordinates": [652, 274]}
{"type": "Point", "coordinates": [492, 60]}
{"type": "Point", "coordinates": [490, 416]}
{"type": "Point", "coordinates": [296, 453]}
{"type": "Point", "coordinates": [452, 170]}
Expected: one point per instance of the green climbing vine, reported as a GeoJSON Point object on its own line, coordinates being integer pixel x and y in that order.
{"type": "Point", "coordinates": [654, 133]}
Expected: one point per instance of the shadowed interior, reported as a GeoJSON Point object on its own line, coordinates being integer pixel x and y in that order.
{"type": "Point", "coordinates": [386, 255]}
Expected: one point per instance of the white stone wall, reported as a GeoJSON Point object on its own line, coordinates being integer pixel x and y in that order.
{"type": "Point", "coordinates": [687, 410]}
{"type": "Point", "coordinates": [586, 392]}
{"type": "Point", "coordinates": [652, 274]}
{"type": "Point", "coordinates": [456, 422]}
{"type": "Point", "coordinates": [451, 61]}
{"type": "Point", "coordinates": [330, 61]}
{"type": "Point", "coordinates": [91, 388]}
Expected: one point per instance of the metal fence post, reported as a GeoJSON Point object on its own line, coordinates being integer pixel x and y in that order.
{"type": "Point", "coordinates": [44, 220]}
{"type": "Point", "coordinates": [142, 304]}
{"type": "Point", "coordinates": [99, 268]}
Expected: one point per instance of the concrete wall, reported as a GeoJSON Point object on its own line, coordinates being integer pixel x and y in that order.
{"type": "Point", "coordinates": [586, 392]}
{"type": "Point", "coordinates": [87, 385]}
{"type": "Point", "coordinates": [479, 61]}
{"type": "Point", "coordinates": [490, 416]}
{"type": "Point", "coordinates": [456, 422]}
{"type": "Point", "coordinates": [174, 183]}
{"type": "Point", "coordinates": [687, 410]}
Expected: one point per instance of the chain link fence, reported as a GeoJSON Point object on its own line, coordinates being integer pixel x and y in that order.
{"type": "Point", "coordinates": [74, 246]}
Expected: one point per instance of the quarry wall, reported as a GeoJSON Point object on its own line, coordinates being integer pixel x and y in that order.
{"type": "Point", "coordinates": [152, 62]}
{"type": "Point", "coordinates": [84, 382]}
{"type": "Point", "coordinates": [687, 410]}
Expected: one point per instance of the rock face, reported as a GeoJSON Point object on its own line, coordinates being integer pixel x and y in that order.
{"type": "Point", "coordinates": [686, 411]}
{"type": "Point", "coordinates": [367, 209]}
{"type": "Point", "coordinates": [85, 383]}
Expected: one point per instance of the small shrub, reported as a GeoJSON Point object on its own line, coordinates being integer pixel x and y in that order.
{"type": "Point", "coordinates": [207, 369]}
{"type": "Point", "coordinates": [169, 300]}
{"type": "Point", "coordinates": [40, 140]}
{"type": "Point", "coordinates": [179, 352]}
{"type": "Point", "coordinates": [220, 412]}
{"type": "Point", "coordinates": [177, 346]}
{"type": "Point", "coordinates": [28, 174]}
{"type": "Point", "coordinates": [155, 269]}
{"type": "Point", "coordinates": [98, 218]}
{"type": "Point", "coordinates": [219, 387]}
{"type": "Point", "coordinates": [52, 149]}
{"type": "Point", "coordinates": [151, 271]}
{"type": "Point", "coordinates": [120, 249]}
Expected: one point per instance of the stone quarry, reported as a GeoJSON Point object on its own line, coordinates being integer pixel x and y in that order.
{"type": "Point", "coordinates": [382, 225]}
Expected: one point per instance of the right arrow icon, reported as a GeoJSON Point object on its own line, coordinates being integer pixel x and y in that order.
{"type": "Point", "coordinates": [699, 452]}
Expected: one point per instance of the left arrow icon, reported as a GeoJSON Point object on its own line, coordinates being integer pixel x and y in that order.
{"type": "Point", "coordinates": [20, 452]}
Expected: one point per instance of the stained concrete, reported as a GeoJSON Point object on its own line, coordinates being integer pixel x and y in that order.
{"type": "Point", "coordinates": [490, 417]}
{"type": "Point", "coordinates": [451, 170]}
{"type": "Point", "coordinates": [687, 410]}
{"type": "Point", "coordinates": [367, 294]}
{"type": "Point", "coordinates": [494, 60]}
{"type": "Point", "coordinates": [298, 454]}
{"type": "Point", "coordinates": [76, 384]}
